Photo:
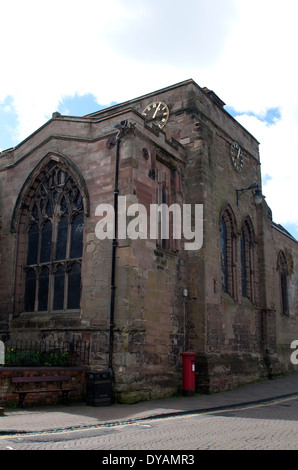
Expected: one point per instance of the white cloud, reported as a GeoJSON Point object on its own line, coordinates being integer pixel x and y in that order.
{"type": "Point", "coordinates": [278, 151]}
{"type": "Point", "coordinates": [258, 66]}
{"type": "Point", "coordinates": [171, 32]}
{"type": "Point", "coordinates": [54, 51]}
{"type": "Point", "coordinates": [245, 50]}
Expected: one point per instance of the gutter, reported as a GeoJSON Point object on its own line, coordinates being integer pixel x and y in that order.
{"type": "Point", "coordinates": [122, 126]}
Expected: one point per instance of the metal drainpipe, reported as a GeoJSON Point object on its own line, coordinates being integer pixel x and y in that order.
{"type": "Point", "coordinates": [121, 126]}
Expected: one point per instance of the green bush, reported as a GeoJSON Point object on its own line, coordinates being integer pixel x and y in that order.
{"type": "Point", "coordinates": [31, 358]}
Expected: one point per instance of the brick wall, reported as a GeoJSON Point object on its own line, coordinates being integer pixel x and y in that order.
{"type": "Point", "coordinates": [7, 388]}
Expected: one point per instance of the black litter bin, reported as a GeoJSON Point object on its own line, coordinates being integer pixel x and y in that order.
{"type": "Point", "coordinates": [99, 388]}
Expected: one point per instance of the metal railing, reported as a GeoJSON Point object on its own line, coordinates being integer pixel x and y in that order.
{"type": "Point", "coordinates": [46, 353]}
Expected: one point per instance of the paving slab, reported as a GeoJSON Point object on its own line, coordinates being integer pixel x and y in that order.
{"type": "Point", "coordinates": [76, 415]}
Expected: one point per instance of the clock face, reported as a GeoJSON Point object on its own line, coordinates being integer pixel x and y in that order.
{"type": "Point", "coordinates": [237, 156]}
{"type": "Point", "coordinates": [157, 112]}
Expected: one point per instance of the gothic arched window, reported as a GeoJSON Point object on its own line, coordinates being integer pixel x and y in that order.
{"type": "Point", "coordinates": [227, 251]}
{"type": "Point", "coordinates": [247, 260]}
{"type": "Point", "coordinates": [54, 230]}
{"type": "Point", "coordinates": [283, 282]}
{"type": "Point", "coordinates": [224, 255]}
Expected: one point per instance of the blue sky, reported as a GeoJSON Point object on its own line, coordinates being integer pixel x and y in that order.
{"type": "Point", "coordinates": [269, 116]}
{"type": "Point", "coordinates": [97, 53]}
{"type": "Point", "coordinates": [77, 105]}
{"type": "Point", "coordinates": [8, 124]}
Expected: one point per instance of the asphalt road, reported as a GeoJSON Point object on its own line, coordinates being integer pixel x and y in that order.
{"type": "Point", "coordinates": [268, 426]}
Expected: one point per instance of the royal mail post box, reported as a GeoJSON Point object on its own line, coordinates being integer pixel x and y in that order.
{"type": "Point", "coordinates": [189, 373]}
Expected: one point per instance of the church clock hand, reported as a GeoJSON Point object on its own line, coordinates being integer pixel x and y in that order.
{"type": "Point", "coordinates": [156, 111]}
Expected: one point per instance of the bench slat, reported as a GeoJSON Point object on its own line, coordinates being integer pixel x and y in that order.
{"type": "Point", "coordinates": [44, 378]}
{"type": "Point", "coordinates": [47, 390]}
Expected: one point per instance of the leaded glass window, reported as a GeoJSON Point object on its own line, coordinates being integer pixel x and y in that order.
{"type": "Point", "coordinates": [283, 280]}
{"type": "Point", "coordinates": [247, 261]}
{"type": "Point", "coordinates": [243, 264]}
{"type": "Point", "coordinates": [227, 253]}
{"type": "Point", "coordinates": [55, 226]}
{"type": "Point", "coordinates": [224, 256]}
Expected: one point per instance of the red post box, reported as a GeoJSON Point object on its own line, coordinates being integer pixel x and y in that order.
{"type": "Point", "coordinates": [189, 371]}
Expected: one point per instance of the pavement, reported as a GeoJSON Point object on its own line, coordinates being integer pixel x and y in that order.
{"type": "Point", "coordinates": [79, 415]}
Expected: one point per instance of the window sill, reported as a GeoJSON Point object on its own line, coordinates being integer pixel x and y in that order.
{"type": "Point", "coordinates": [159, 252]}
{"type": "Point", "coordinates": [247, 302]}
{"type": "Point", "coordinates": [52, 313]}
{"type": "Point", "coordinates": [227, 298]}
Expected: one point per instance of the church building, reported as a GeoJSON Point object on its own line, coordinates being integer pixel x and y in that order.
{"type": "Point", "coordinates": [142, 229]}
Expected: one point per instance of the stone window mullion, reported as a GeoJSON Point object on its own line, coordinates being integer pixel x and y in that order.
{"type": "Point", "coordinates": [248, 261]}
{"type": "Point", "coordinates": [228, 254]}
{"type": "Point", "coordinates": [54, 198]}
{"type": "Point", "coordinates": [283, 283]}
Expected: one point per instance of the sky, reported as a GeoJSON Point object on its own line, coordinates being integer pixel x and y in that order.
{"type": "Point", "coordinates": [78, 57]}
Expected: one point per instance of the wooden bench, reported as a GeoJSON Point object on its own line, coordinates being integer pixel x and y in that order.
{"type": "Point", "coordinates": [45, 378]}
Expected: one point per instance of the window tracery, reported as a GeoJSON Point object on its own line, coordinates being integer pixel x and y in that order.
{"type": "Point", "coordinates": [283, 281]}
{"type": "Point", "coordinates": [55, 224]}
{"type": "Point", "coordinates": [228, 253]}
{"type": "Point", "coordinates": [247, 261]}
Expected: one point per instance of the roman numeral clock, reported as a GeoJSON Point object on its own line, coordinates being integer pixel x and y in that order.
{"type": "Point", "coordinates": [157, 112]}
